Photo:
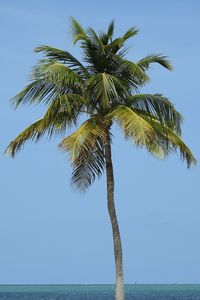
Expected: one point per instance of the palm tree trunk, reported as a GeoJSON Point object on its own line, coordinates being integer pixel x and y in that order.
{"type": "Point", "coordinates": [119, 293]}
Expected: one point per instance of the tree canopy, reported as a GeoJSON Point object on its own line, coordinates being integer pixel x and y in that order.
{"type": "Point", "coordinates": [105, 87]}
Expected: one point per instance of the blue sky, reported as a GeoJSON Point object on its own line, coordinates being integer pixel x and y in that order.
{"type": "Point", "coordinates": [50, 234]}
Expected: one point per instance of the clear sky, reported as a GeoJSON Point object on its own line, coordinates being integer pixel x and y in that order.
{"type": "Point", "coordinates": [50, 234]}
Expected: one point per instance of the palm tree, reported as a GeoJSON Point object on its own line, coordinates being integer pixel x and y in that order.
{"type": "Point", "coordinates": [105, 88]}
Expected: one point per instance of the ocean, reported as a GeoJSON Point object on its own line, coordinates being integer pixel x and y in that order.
{"type": "Point", "coordinates": [99, 292]}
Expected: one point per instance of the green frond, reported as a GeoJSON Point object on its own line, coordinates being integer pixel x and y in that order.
{"type": "Point", "coordinates": [94, 55]}
{"type": "Point", "coordinates": [49, 79]}
{"type": "Point", "coordinates": [62, 77]}
{"type": "Point", "coordinates": [133, 125]}
{"type": "Point", "coordinates": [132, 31]}
{"type": "Point", "coordinates": [86, 150]}
{"type": "Point", "coordinates": [119, 42]}
{"type": "Point", "coordinates": [95, 40]}
{"type": "Point", "coordinates": [63, 112]}
{"type": "Point", "coordinates": [105, 37]}
{"type": "Point", "coordinates": [154, 58]}
{"type": "Point", "coordinates": [36, 92]}
{"type": "Point", "coordinates": [52, 53]}
{"type": "Point", "coordinates": [110, 31]}
{"type": "Point", "coordinates": [185, 152]}
{"type": "Point", "coordinates": [102, 87]}
{"type": "Point", "coordinates": [138, 75]}
{"type": "Point", "coordinates": [159, 107]}
{"type": "Point", "coordinates": [115, 45]}
{"type": "Point", "coordinates": [33, 132]}
{"type": "Point", "coordinates": [79, 37]}
{"type": "Point", "coordinates": [127, 72]}
{"type": "Point", "coordinates": [78, 32]}
{"type": "Point", "coordinates": [82, 138]}
{"type": "Point", "coordinates": [88, 166]}
{"type": "Point", "coordinates": [76, 27]}
{"type": "Point", "coordinates": [168, 141]}
{"type": "Point", "coordinates": [63, 57]}
{"type": "Point", "coordinates": [159, 150]}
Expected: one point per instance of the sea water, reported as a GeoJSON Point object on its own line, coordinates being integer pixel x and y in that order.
{"type": "Point", "coordinates": [99, 292]}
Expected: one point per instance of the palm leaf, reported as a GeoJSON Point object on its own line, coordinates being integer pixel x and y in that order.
{"type": "Point", "coordinates": [82, 138]}
{"type": "Point", "coordinates": [138, 75]}
{"type": "Point", "coordinates": [33, 132]}
{"type": "Point", "coordinates": [36, 92]}
{"type": "Point", "coordinates": [169, 141]}
{"type": "Point", "coordinates": [80, 37]}
{"type": "Point", "coordinates": [118, 43]}
{"type": "Point", "coordinates": [159, 107]}
{"type": "Point", "coordinates": [77, 30]}
{"type": "Point", "coordinates": [49, 79]}
{"type": "Point", "coordinates": [95, 40]}
{"type": "Point", "coordinates": [133, 125]}
{"type": "Point", "coordinates": [110, 31]}
{"type": "Point", "coordinates": [94, 56]}
{"type": "Point", "coordinates": [86, 150]}
{"type": "Point", "coordinates": [58, 74]}
{"type": "Point", "coordinates": [128, 72]}
{"type": "Point", "coordinates": [178, 144]}
{"type": "Point", "coordinates": [102, 87]}
{"type": "Point", "coordinates": [63, 112]}
{"type": "Point", "coordinates": [88, 166]}
{"type": "Point", "coordinates": [132, 31]}
{"type": "Point", "coordinates": [105, 37]}
{"type": "Point", "coordinates": [64, 57]}
{"type": "Point", "coordinates": [154, 58]}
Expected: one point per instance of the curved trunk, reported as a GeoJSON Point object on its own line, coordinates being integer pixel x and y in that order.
{"type": "Point", "coordinates": [119, 293]}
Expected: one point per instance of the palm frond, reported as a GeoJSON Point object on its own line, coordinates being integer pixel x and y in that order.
{"type": "Point", "coordinates": [37, 91]}
{"type": "Point", "coordinates": [159, 150]}
{"type": "Point", "coordinates": [119, 42]}
{"type": "Point", "coordinates": [64, 57]}
{"type": "Point", "coordinates": [115, 45]}
{"type": "Point", "coordinates": [132, 31]}
{"type": "Point", "coordinates": [185, 152]}
{"type": "Point", "coordinates": [154, 58]}
{"type": "Point", "coordinates": [82, 138]}
{"type": "Point", "coordinates": [33, 132]}
{"type": "Point", "coordinates": [62, 77]}
{"type": "Point", "coordinates": [138, 75]}
{"type": "Point", "coordinates": [105, 37]}
{"type": "Point", "coordinates": [86, 150]}
{"type": "Point", "coordinates": [88, 166]}
{"type": "Point", "coordinates": [105, 89]}
{"type": "Point", "coordinates": [168, 141]}
{"type": "Point", "coordinates": [80, 37]}
{"type": "Point", "coordinates": [133, 125]}
{"type": "Point", "coordinates": [78, 32]}
{"type": "Point", "coordinates": [158, 106]}
{"type": "Point", "coordinates": [110, 30]}
{"type": "Point", "coordinates": [95, 40]}
{"type": "Point", "coordinates": [94, 56]}
{"type": "Point", "coordinates": [49, 79]}
{"type": "Point", "coordinates": [128, 72]}
{"type": "Point", "coordinates": [63, 112]}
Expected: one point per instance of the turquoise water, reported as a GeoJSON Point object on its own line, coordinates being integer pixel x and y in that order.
{"type": "Point", "coordinates": [98, 292]}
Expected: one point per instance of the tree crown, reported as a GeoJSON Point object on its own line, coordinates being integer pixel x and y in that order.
{"type": "Point", "coordinates": [106, 88]}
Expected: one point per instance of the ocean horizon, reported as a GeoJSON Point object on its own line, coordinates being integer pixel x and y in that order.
{"type": "Point", "coordinates": [99, 291]}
